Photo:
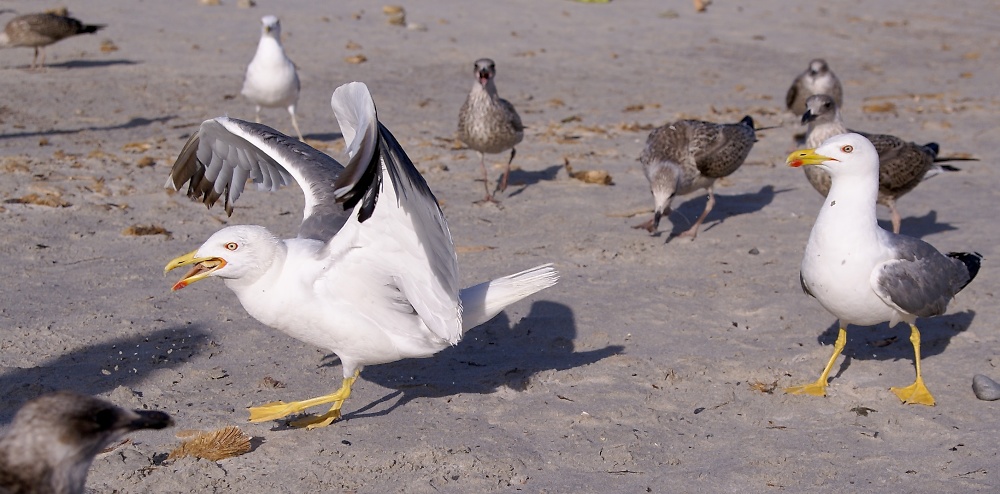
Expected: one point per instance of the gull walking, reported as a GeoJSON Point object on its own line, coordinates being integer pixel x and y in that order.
{"type": "Point", "coordinates": [689, 155]}
{"type": "Point", "coordinates": [40, 30]}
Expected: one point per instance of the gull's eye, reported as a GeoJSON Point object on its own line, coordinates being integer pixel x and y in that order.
{"type": "Point", "coordinates": [232, 246]}
{"type": "Point", "coordinates": [847, 149]}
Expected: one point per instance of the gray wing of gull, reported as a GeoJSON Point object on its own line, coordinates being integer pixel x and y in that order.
{"type": "Point", "coordinates": [225, 153]}
{"type": "Point", "coordinates": [920, 281]}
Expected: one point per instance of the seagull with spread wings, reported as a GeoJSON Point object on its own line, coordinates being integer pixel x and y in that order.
{"type": "Point", "coordinates": [372, 275]}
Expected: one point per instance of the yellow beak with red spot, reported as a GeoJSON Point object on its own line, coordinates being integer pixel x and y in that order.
{"type": "Point", "coordinates": [202, 268]}
{"type": "Point", "coordinates": [806, 157]}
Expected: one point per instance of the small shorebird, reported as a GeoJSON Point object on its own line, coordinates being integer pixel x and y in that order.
{"type": "Point", "coordinates": [817, 79]}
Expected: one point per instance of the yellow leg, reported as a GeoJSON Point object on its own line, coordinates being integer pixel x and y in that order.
{"type": "Point", "coordinates": [279, 409]}
{"type": "Point", "coordinates": [818, 388]}
{"type": "Point", "coordinates": [917, 392]}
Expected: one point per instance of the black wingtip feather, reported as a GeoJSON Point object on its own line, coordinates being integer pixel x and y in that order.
{"type": "Point", "coordinates": [972, 261]}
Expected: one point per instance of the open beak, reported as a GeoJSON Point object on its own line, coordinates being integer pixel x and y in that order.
{"type": "Point", "coordinates": [806, 157]}
{"type": "Point", "coordinates": [203, 267]}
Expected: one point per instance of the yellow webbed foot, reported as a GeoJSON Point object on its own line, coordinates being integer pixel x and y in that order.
{"type": "Point", "coordinates": [815, 389]}
{"type": "Point", "coordinates": [317, 421]}
{"type": "Point", "coordinates": [915, 393]}
{"type": "Point", "coordinates": [273, 411]}
{"type": "Point", "coordinates": [279, 409]}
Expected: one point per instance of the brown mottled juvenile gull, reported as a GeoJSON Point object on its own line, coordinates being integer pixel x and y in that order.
{"type": "Point", "coordinates": [271, 78]}
{"type": "Point", "coordinates": [372, 275]}
{"type": "Point", "coordinates": [902, 165]}
{"type": "Point", "coordinates": [41, 30]}
{"type": "Point", "coordinates": [688, 155]}
{"type": "Point", "coordinates": [817, 79]}
{"type": "Point", "coordinates": [863, 274]}
{"type": "Point", "coordinates": [55, 437]}
{"type": "Point", "coordinates": [488, 123]}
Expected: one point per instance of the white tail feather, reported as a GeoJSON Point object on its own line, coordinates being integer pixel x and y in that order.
{"type": "Point", "coordinates": [485, 300]}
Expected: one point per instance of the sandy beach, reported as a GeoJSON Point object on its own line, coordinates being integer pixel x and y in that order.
{"type": "Point", "coordinates": [655, 365]}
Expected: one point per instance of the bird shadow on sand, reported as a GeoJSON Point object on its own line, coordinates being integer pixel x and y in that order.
{"type": "Point", "coordinates": [134, 122]}
{"type": "Point", "coordinates": [81, 64]}
{"type": "Point", "coordinates": [488, 357]}
{"type": "Point", "coordinates": [726, 206]}
{"type": "Point", "coordinates": [129, 360]}
{"type": "Point", "coordinates": [884, 343]}
{"type": "Point", "coordinates": [522, 179]}
{"type": "Point", "coordinates": [919, 226]}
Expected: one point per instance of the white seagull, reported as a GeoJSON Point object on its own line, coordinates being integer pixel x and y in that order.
{"type": "Point", "coordinates": [372, 275]}
{"type": "Point", "coordinates": [271, 79]}
{"type": "Point", "coordinates": [55, 437]}
{"type": "Point", "coordinates": [863, 274]}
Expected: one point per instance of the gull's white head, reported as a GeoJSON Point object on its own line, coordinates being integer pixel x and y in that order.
{"type": "Point", "coordinates": [235, 252]}
{"type": "Point", "coordinates": [818, 67]}
{"type": "Point", "coordinates": [271, 26]}
{"type": "Point", "coordinates": [485, 71]}
{"type": "Point", "coordinates": [841, 155]}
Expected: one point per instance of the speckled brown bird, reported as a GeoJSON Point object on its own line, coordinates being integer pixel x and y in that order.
{"type": "Point", "coordinates": [688, 155]}
{"type": "Point", "coordinates": [488, 123]}
{"type": "Point", "coordinates": [53, 440]}
{"type": "Point", "coordinates": [40, 30]}
{"type": "Point", "coordinates": [902, 164]}
{"type": "Point", "coordinates": [817, 79]}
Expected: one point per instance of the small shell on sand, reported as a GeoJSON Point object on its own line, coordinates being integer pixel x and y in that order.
{"type": "Point", "coordinates": [985, 388]}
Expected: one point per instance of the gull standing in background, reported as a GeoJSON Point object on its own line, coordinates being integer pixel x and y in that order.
{"type": "Point", "coordinates": [902, 165]}
{"type": "Point", "coordinates": [687, 155]}
{"type": "Point", "coordinates": [817, 79]}
{"type": "Point", "coordinates": [863, 274]}
{"type": "Point", "coordinates": [271, 79]}
{"type": "Point", "coordinates": [372, 275]}
{"type": "Point", "coordinates": [41, 30]}
{"type": "Point", "coordinates": [55, 437]}
{"type": "Point", "coordinates": [488, 123]}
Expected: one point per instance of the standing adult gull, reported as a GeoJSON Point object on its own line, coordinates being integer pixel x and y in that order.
{"type": "Point", "coordinates": [372, 275]}
{"type": "Point", "coordinates": [488, 123]}
{"type": "Point", "coordinates": [271, 78]}
{"type": "Point", "coordinates": [863, 274]}
{"type": "Point", "coordinates": [902, 164]}
{"type": "Point", "coordinates": [687, 155]}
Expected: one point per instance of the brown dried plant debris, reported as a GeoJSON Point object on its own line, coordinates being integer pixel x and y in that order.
{"type": "Point", "coordinates": [599, 177]}
{"type": "Point", "coordinates": [45, 199]}
{"type": "Point", "coordinates": [145, 230]}
{"type": "Point", "coordinates": [764, 387]}
{"type": "Point", "coordinates": [216, 445]}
